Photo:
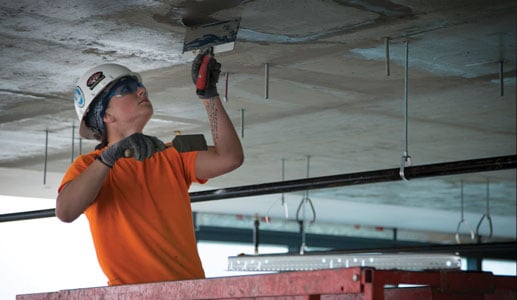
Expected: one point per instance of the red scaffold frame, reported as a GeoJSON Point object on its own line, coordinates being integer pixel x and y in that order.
{"type": "Point", "coordinates": [345, 283]}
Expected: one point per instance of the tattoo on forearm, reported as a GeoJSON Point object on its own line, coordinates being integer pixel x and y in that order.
{"type": "Point", "coordinates": [212, 108]}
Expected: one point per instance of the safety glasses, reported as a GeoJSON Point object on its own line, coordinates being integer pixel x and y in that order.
{"type": "Point", "coordinates": [125, 85]}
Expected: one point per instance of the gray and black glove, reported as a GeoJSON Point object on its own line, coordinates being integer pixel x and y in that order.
{"type": "Point", "coordinates": [137, 145]}
{"type": "Point", "coordinates": [205, 75]}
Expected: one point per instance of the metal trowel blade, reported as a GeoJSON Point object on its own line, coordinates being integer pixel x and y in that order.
{"type": "Point", "coordinates": [220, 35]}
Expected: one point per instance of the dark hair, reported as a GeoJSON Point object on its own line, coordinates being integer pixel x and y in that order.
{"type": "Point", "coordinates": [101, 145]}
{"type": "Point", "coordinates": [94, 118]}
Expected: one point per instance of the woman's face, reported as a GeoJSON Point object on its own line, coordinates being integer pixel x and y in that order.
{"type": "Point", "coordinates": [130, 105]}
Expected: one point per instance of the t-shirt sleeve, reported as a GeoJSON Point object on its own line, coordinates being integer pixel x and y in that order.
{"type": "Point", "coordinates": [189, 159]}
{"type": "Point", "coordinates": [77, 167]}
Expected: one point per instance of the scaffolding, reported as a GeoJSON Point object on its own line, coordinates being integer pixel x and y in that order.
{"type": "Point", "coordinates": [345, 283]}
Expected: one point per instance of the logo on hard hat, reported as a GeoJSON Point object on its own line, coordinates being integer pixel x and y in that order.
{"type": "Point", "coordinates": [94, 80]}
{"type": "Point", "coordinates": [78, 97]}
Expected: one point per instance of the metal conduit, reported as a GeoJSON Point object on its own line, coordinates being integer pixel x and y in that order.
{"type": "Point", "coordinates": [431, 170]}
{"type": "Point", "coordinates": [414, 172]}
{"type": "Point", "coordinates": [27, 215]}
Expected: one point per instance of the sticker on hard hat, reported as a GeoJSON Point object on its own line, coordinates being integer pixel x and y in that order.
{"type": "Point", "coordinates": [78, 97]}
{"type": "Point", "coordinates": [94, 80]}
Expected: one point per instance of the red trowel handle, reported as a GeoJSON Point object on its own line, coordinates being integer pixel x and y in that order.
{"type": "Point", "coordinates": [203, 74]}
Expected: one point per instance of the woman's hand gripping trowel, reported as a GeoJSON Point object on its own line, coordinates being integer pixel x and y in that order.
{"type": "Point", "coordinates": [203, 76]}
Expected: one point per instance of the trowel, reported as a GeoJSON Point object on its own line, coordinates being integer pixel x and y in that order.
{"type": "Point", "coordinates": [207, 39]}
{"type": "Point", "coordinates": [218, 35]}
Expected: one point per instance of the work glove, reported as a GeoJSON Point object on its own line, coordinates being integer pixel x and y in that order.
{"type": "Point", "coordinates": [205, 74]}
{"type": "Point", "coordinates": [137, 145]}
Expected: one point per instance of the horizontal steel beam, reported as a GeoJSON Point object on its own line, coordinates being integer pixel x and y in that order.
{"type": "Point", "coordinates": [293, 239]}
{"type": "Point", "coordinates": [351, 245]}
{"type": "Point", "coordinates": [414, 172]}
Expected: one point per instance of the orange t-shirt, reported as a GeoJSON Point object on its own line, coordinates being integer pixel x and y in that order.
{"type": "Point", "coordinates": [141, 221]}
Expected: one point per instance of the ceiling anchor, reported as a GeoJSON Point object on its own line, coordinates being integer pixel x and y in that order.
{"type": "Point", "coordinates": [46, 158]}
{"type": "Point", "coordinates": [302, 208]}
{"type": "Point", "coordinates": [463, 221]}
{"type": "Point", "coordinates": [282, 198]}
{"type": "Point", "coordinates": [284, 204]}
{"type": "Point", "coordinates": [226, 79]}
{"type": "Point", "coordinates": [387, 52]}
{"type": "Point", "coordinates": [73, 141]}
{"type": "Point", "coordinates": [406, 158]}
{"type": "Point", "coordinates": [486, 215]}
{"type": "Point", "coordinates": [266, 81]}
{"type": "Point", "coordinates": [242, 122]}
{"type": "Point", "coordinates": [501, 77]}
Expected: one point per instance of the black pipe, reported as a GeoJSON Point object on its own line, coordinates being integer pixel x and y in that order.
{"type": "Point", "coordinates": [431, 170]}
{"type": "Point", "coordinates": [27, 215]}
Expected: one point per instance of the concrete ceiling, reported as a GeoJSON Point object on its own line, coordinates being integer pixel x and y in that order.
{"type": "Point", "coordinates": [329, 97]}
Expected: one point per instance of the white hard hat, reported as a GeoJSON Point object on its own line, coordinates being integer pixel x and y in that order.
{"type": "Point", "coordinates": [90, 85]}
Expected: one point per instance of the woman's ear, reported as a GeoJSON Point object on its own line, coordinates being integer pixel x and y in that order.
{"type": "Point", "coordinates": [108, 118]}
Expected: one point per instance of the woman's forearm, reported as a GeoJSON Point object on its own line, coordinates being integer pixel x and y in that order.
{"type": "Point", "coordinates": [226, 154]}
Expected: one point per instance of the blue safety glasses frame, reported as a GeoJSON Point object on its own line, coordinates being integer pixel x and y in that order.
{"type": "Point", "coordinates": [125, 85]}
